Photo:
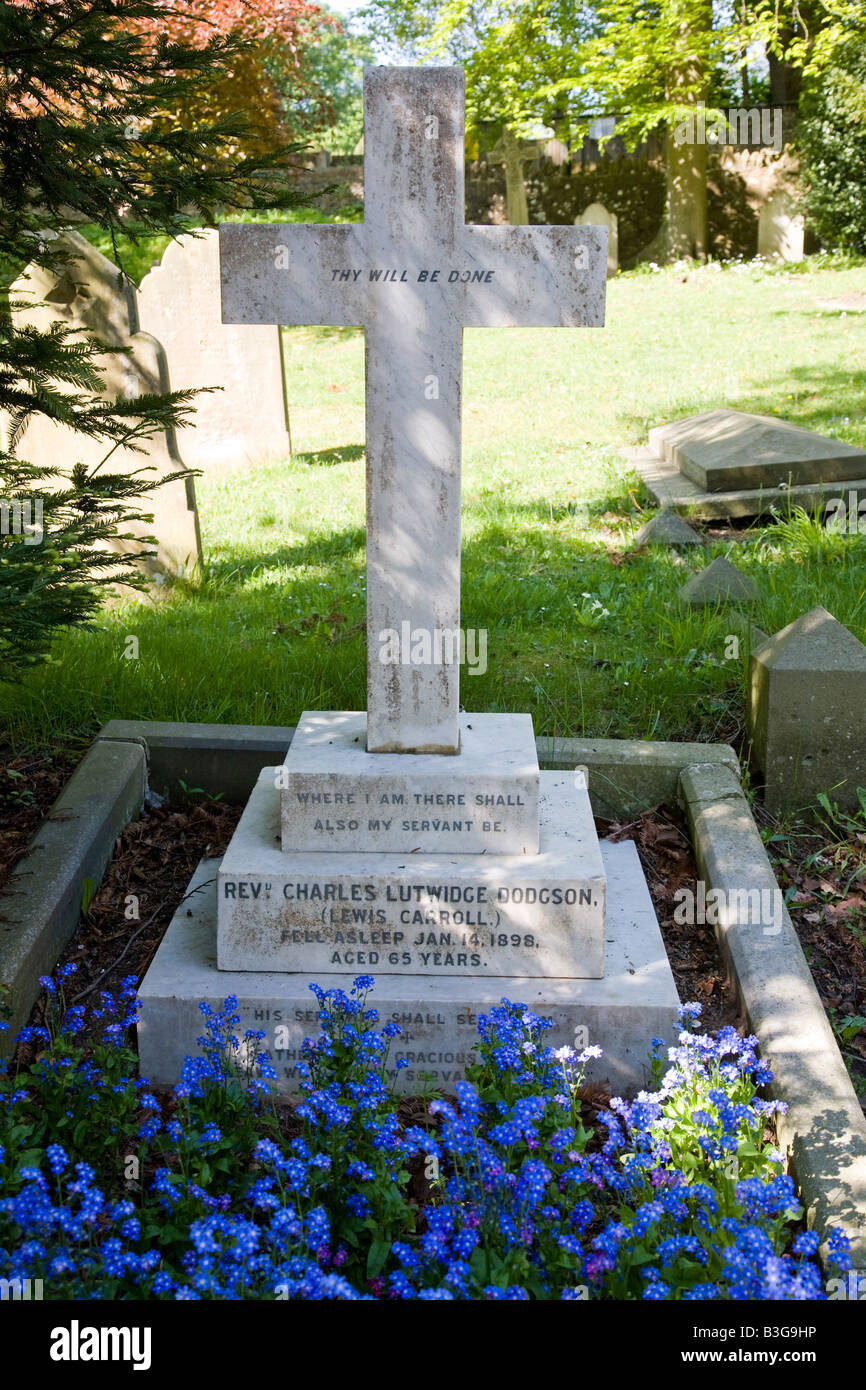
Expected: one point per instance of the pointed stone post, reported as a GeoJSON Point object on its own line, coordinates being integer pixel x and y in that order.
{"type": "Point", "coordinates": [807, 713]}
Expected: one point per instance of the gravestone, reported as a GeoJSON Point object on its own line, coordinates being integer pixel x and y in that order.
{"type": "Point", "coordinates": [781, 229]}
{"type": "Point", "coordinates": [726, 449]}
{"type": "Point", "coordinates": [806, 713]}
{"type": "Point", "coordinates": [413, 275]}
{"type": "Point", "coordinates": [726, 463]}
{"type": "Point", "coordinates": [179, 303]}
{"type": "Point", "coordinates": [597, 215]}
{"type": "Point", "coordinates": [416, 842]}
{"type": "Point", "coordinates": [92, 298]}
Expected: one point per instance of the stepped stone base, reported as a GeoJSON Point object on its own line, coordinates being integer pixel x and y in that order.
{"type": "Point", "coordinates": [484, 799]}
{"type": "Point", "coordinates": [635, 1001]}
{"type": "Point", "coordinates": [671, 488]}
{"type": "Point", "coordinates": [418, 914]}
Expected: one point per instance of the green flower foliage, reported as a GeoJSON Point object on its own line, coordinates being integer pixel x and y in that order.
{"type": "Point", "coordinates": [110, 1191]}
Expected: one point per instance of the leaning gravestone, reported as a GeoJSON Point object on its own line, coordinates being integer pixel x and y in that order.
{"type": "Point", "coordinates": [93, 299]}
{"type": "Point", "coordinates": [179, 303]}
{"type": "Point", "coordinates": [727, 463]}
{"type": "Point", "coordinates": [415, 842]}
{"type": "Point", "coordinates": [597, 215]}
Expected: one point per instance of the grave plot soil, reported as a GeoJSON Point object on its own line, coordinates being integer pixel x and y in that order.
{"type": "Point", "coordinates": [30, 783]}
{"type": "Point", "coordinates": [663, 845]}
{"type": "Point", "coordinates": [825, 887]}
{"type": "Point", "coordinates": [156, 855]}
{"type": "Point", "coordinates": [149, 874]}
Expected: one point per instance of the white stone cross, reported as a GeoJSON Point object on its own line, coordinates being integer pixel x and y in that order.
{"type": "Point", "coordinates": [413, 275]}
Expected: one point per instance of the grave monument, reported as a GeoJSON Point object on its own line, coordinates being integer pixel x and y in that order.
{"type": "Point", "coordinates": [94, 299]}
{"type": "Point", "coordinates": [179, 303]}
{"type": "Point", "coordinates": [597, 215]}
{"type": "Point", "coordinates": [726, 463]}
{"type": "Point", "coordinates": [415, 841]}
{"type": "Point", "coordinates": [781, 228]}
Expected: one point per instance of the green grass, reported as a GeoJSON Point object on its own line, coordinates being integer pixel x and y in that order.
{"type": "Point", "coordinates": [589, 643]}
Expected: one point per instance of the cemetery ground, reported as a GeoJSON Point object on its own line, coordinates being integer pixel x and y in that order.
{"type": "Point", "coordinates": [583, 630]}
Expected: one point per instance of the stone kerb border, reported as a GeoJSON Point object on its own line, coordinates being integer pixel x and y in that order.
{"type": "Point", "coordinates": [41, 904]}
{"type": "Point", "coordinates": [629, 776]}
{"type": "Point", "coordinates": [824, 1130]}
{"type": "Point", "coordinates": [218, 758]}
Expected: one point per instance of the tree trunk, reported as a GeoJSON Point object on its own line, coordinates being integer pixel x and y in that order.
{"type": "Point", "coordinates": [685, 224]}
{"type": "Point", "coordinates": [686, 200]}
{"type": "Point", "coordinates": [745, 81]}
{"type": "Point", "coordinates": [786, 80]}
{"type": "Point", "coordinates": [516, 208]}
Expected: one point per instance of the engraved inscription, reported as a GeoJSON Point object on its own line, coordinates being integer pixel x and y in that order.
{"type": "Point", "coordinates": [385, 276]}
{"type": "Point", "coordinates": [481, 812]}
{"type": "Point", "coordinates": [462, 928]}
{"type": "Point", "coordinates": [431, 1044]}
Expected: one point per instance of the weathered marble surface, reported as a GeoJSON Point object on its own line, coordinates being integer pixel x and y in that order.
{"type": "Point", "coordinates": [413, 275]}
{"type": "Point", "coordinates": [337, 796]}
{"type": "Point", "coordinates": [636, 1000]}
{"type": "Point", "coordinates": [417, 914]}
{"type": "Point", "coordinates": [179, 303]}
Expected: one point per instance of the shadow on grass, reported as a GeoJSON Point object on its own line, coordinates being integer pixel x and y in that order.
{"type": "Point", "coordinates": [585, 635]}
{"type": "Point", "coordinates": [616, 502]}
{"type": "Point", "coordinates": [336, 547]}
{"type": "Point", "coordinates": [345, 453]}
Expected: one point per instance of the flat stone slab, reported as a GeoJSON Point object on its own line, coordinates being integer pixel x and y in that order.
{"type": "Point", "coordinates": [336, 796]}
{"type": "Point", "coordinates": [726, 449]}
{"type": "Point", "coordinates": [636, 1000]}
{"type": "Point", "coordinates": [671, 488]}
{"type": "Point", "coordinates": [460, 914]}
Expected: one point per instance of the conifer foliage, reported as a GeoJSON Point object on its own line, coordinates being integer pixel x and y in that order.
{"type": "Point", "coordinates": [90, 92]}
